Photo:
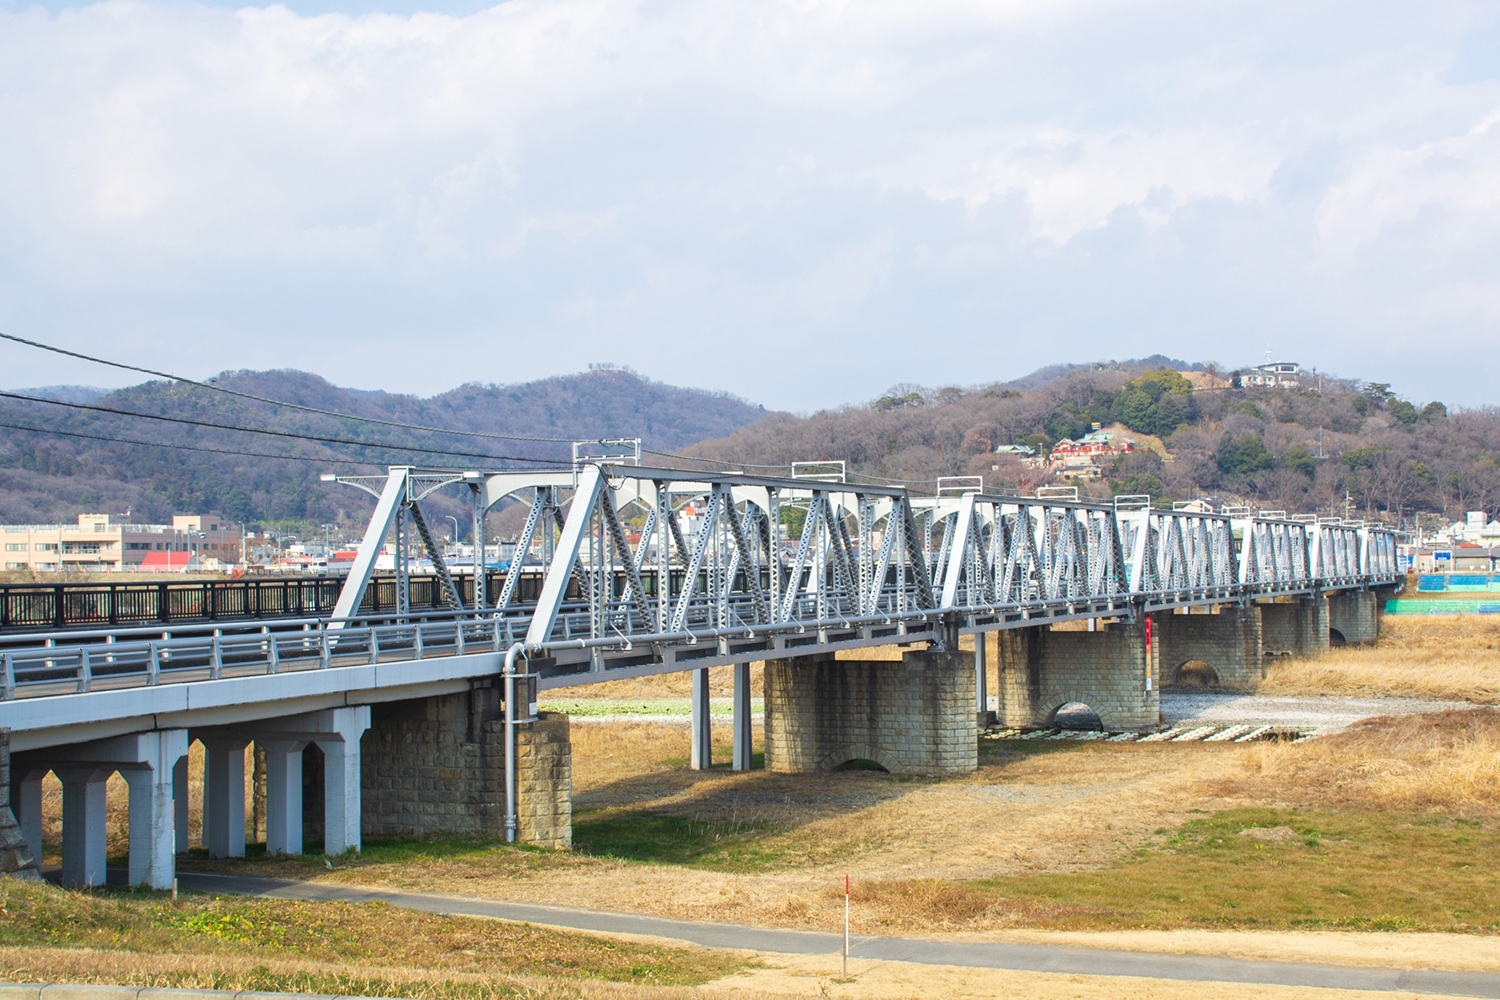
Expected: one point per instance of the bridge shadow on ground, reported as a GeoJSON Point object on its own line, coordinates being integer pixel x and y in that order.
{"type": "Point", "coordinates": [728, 820]}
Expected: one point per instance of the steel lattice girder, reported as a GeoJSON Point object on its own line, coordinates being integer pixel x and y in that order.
{"type": "Point", "coordinates": [864, 561]}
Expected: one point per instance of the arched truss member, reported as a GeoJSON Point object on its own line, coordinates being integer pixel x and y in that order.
{"type": "Point", "coordinates": [640, 569]}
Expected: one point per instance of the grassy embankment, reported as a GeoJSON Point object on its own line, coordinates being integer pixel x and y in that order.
{"type": "Point", "coordinates": [139, 938]}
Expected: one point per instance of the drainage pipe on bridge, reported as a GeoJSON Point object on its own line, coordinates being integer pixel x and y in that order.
{"type": "Point", "coordinates": [509, 672]}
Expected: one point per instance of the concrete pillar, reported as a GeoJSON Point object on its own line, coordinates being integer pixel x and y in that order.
{"type": "Point", "coordinates": [283, 795]}
{"type": "Point", "coordinates": [702, 754]}
{"type": "Point", "coordinates": [26, 801]}
{"type": "Point", "coordinates": [180, 826]}
{"type": "Point", "coordinates": [340, 795]}
{"type": "Point", "coordinates": [84, 825]}
{"type": "Point", "coordinates": [224, 796]}
{"type": "Point", "coordinates": [742, 713]}
{"type": "Point", "coordinates": [915, 716]}
{"type": "Point", "coordinates": [153, 817]}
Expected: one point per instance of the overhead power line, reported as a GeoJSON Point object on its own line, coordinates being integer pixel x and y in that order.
{"type": "Point", "coordinates": [281, 434]}
{"type": "Point", "coordinates": [278, 402]}
{"type": "Point", "coordinates": [175, 447]}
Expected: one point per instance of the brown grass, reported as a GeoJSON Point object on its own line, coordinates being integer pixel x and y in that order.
{"type": "Point", "coordinates": [323, 939]}
{"type": "Point", "coordinates": [1446, 657]}
{"type": "Point", "coordinates": [1439, 761]}
{"type": "Point", "coordinates": [673, 685]}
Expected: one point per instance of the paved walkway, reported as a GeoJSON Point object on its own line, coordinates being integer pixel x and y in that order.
{"type": "Point", "coordinates": [1022, 957]}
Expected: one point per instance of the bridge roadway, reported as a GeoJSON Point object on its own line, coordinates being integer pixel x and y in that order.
{"type": "Point", "coordinates": [860, 566]}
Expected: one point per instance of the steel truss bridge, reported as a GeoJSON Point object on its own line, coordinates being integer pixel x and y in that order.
{"type": "Point", "coordinates": [644, 570]}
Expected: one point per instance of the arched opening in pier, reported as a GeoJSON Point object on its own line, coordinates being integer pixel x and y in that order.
{"type": "Point", "coordinates": [1075, 715]}
{"type": "Point", "coordinates": [862, 764]}
{"type": "Point", "coordinates": [1336, 638]}
{"type": "Point", "coordinates": [1195, 673]}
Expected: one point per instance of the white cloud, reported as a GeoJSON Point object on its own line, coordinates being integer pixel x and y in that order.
{"type": "Point", "coordinates": [821, 185]}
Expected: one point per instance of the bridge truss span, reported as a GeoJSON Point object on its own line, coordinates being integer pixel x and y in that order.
{"type": "Point", "coordinates": [644, 569]}
{"type": "Point", "coordinates": [622, 570]}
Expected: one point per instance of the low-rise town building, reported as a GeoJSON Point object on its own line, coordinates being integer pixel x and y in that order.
{"type": "Point", "coordinates": [99, 543]}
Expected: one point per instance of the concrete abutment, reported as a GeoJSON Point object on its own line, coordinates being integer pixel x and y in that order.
{"type": "Point", "coordinates": [16, 856]}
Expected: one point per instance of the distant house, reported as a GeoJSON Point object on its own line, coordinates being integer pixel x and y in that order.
{"type": "Point", "coordinates": [1018, 450]}
{"type": "Point", "coordinates": [1276, 375]}
{"type": "Point", "coordinates": [1085, 457]}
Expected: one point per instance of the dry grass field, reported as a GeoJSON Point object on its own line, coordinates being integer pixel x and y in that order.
{"type": "Point", "coordinates": [1442, 657]}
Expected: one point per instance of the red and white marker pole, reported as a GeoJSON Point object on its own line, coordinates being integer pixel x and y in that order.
{"type": "Point", "coordinates": [846, 925]}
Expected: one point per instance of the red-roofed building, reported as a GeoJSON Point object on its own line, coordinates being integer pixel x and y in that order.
{"type": "Point", "coordinates": [169, 562]}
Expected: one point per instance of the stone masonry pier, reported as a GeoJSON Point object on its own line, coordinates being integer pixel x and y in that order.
{"type": "Point", "coordinates": [1114, 671]}
{"type": "Point", "coordinates": [1354, 617]}
{"type": "Point", "coordinates": [1221, 650]}
{"type": "Point", "coordinates": [1297, 627]}
{"type": "Point", "coordinates": [437, 765]}
{"type": "Point", "coordinates": [912, 716]}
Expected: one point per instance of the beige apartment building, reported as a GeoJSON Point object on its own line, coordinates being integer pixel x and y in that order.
{"type": "Point", "coordinates": [100, 544]}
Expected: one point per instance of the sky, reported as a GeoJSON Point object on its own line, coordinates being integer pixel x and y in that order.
{"type": "Point", "coordinates": [802, 202]}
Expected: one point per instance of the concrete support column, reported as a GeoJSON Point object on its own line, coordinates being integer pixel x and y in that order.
{"type": "Point", "coordinates": [742, 712]}
{"type": "Point", "coordinates": [224, 796]}
{"type": "Point", "coordinates": [152, 812]}
{"type": "Point", "coordinates": [26, 803]}
{"type": "Point", "coordinates": [83, 825]}
{"type": "Point", "coordinates": [340, 796]}
{"type": "Point", "coordinates": [180, 826]}
{"type": "Point", "coordinates": [337, 732]}
{"type": "Point", "coordinates": [702, 754]}
{"type": "Point", "coordinates": [283, 796]}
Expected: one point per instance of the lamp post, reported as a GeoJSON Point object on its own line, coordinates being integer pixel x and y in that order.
{"type": "Point", "coordinates": [455, 534]}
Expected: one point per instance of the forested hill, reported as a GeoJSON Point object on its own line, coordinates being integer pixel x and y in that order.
{"type": "Point", "coordinates": [46, 477]}
{"type": "Point", "coordinates": [1302, 450]}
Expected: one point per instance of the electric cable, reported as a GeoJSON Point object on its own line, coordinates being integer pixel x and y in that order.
{"type": "Point", "coordinates": [183, 447]}
{"type": "Point", "coordinates": [277, 402]}
{"type": "Point", "coordinates": [282, 434]}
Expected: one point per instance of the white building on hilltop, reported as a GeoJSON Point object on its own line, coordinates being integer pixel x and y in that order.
{"type": "Point", "coordinates": [1274, 375]}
